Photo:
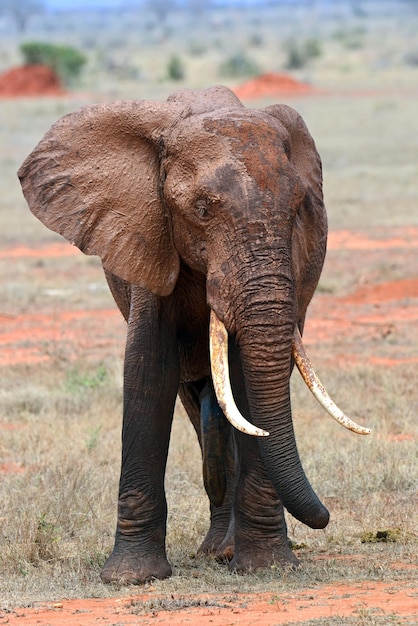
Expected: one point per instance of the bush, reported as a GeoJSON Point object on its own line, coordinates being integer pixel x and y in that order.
{"type": "Point", "coordinates": [65, 61]}
{"type": "Point", "coordinates": [352, 39]}
{"type": "Point", "coordinates": [175, 68]}
{"type": "Point", "coordinates": [295, 55]}
{"type": "Point", "coordinates": [411, 58]}
{"type": "Point", "coordinates": [313, 48]}
{"type": "Point", "coordinates": [256, 40]}
{"type": "Point", "coordinates": [196, 48]}
{"type": "Point", "coordinates": [238, 66]}
{"type": "Point", "coordinates": [299, 53]}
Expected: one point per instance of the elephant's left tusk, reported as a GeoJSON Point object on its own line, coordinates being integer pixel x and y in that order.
{"type": "Point", "coordinates": [218, 344]}
{"type": "Point", "coordinates": [305, 367]}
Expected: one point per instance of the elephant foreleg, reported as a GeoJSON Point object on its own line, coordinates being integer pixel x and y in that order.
{"type": "Point", "coordinates": [199, 397]}
{"type": "Point", "coordinates": [260, 526]}
{"type": "Point", "coordinates": [151, 379]}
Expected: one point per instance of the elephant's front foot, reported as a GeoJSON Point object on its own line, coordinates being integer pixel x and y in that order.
{"type": "Point", "coordinates": [139, 553]}
{"type": "Point", "coordinates": [219, 541]}
{"type": "Point", "coordinates": [254, 555]}
{"type": "Point", "coordinates": [133, 568]}
{"type": "Point", "coordinates": [221, 549]}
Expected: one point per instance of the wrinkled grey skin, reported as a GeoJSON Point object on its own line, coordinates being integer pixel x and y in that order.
{"type": "Point", "coordinates": [194, 204]}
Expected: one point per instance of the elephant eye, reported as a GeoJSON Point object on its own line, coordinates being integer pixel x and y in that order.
{"type": "Point", "coordinates": [202, 208]}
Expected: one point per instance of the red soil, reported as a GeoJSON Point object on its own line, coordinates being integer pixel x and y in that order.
{"type": "Point", "coordinates": [385, 292]}
{"type": "Point", "coordinates": [53, 250]}
{"type": "Point", "coordinates": [37, 337]}
{"type": "Point", "coordinates": [271, 84]}
{"type": "Point", "coordinates": [319, 603]}
{"type": "Point", "coordinates": [30, 80]}
{"type": "Point", "coordinates": [372, 311]}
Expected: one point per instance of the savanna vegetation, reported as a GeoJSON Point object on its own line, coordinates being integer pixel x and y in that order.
{"type": "Point", "coordinates": [60, 417]}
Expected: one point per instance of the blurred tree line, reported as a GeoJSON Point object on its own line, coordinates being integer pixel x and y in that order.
{"type": "Point", "coordinates": [21, 11]}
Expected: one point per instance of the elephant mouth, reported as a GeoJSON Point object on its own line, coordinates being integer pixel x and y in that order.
{"type": "Point", "coordinates": [218, 342]}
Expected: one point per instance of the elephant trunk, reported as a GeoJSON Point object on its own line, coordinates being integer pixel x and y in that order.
{"type": "Point", "coordinates": [266, 348]}
{"type": "Point", "coordinates": [264, 324]}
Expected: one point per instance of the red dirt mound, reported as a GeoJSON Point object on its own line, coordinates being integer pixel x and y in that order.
{"type": "Point", "coordinates": [30, 80]}
{"type": "Point", "coordinates": [272, 84]}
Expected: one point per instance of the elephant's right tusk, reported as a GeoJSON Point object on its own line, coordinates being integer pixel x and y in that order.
{"type": "Point", "coordinates": [308, 374]}
{"type": "Point", "coordinates": [218, 343]}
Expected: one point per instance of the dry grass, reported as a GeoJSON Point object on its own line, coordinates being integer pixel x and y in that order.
{"type": "Point", "coordinates": [58, 513]}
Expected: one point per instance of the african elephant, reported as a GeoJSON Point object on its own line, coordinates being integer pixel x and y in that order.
{"type": "Point", "coordinates": [210, 224]}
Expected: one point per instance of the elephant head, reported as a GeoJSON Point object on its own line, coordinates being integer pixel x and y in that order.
{"type": "Point", "coordinates": [232, 193]}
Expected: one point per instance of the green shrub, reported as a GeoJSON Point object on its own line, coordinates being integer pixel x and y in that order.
{"type": "Point", "coordinates": [352, 39]}
{"type": "Point", "coordinates": [78, 380]}
{"type": "Point", "coordinates": [239, 65]}
{"type": "Point", "coordinates": [65, 61]}
{"type": "Point", "coordinates": [299, 53]}
{"type": "Point", "coordinates": [295, 55]}
{"type": "Point", "coordinates": [313, 48]}
{"type": "Point", "coordinates": [175, 68]}
{"type": "Point", "coordinates": [256, 40]}
{"type": "Point", "coordinates": [196, 48]}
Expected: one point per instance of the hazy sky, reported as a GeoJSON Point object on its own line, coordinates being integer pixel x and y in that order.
{"type": "Point", "coordinates": [58, 4]}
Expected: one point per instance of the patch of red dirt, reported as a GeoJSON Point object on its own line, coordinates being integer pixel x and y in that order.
{"type": "Point", "coordinates": [405, 237]}
{"type": "Point", "coordinates": [38, 337]}
{"type": "Point", "coordinates": [360, 319]}
{"type": "Point", "coordinates": [319, 603]}
{"type": "Point", "coordinates": [385, 292]}
{"type": "Point", "coordinates": [30, 80]}
{"type": "Point", "coordinates": [401, 437]}
{"type": "Point", "coordinates": [12, 426]}
{"type": "Point", "coordinates": [11, 468]}
{"type": "Point", "coordinates": [373, 312]}
{"type": "Point", "coordinates": [53, 250]}
{"type": "Point", "coordinates": [272, 84]}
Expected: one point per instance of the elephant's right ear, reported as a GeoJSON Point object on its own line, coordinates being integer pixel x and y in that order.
{"type": "Point", "coordinates": [95, 179]}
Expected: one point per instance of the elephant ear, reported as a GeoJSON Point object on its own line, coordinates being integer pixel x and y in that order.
{"type": "Point", "coordinates": [94, 178]}
{"type": "Point", "coordinates": [301, 149]}
{"type": "Point", "coordinates": [310, 227]}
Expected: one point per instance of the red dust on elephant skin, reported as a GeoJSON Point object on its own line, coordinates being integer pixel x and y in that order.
{"type": "Point", "coordinates": [30, 81]}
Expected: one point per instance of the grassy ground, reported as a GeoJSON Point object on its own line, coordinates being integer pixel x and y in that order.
{"type": "Point", "coordinates": [57, 509]}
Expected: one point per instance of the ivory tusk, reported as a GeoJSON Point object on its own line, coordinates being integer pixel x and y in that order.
{"type": "Point", "coordinates": [308, 374]}
{"type": "Point", "coordinates": [218, 344]}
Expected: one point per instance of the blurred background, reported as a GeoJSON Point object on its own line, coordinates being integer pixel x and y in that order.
{"type": "Point", "coordinates": [146, 47]}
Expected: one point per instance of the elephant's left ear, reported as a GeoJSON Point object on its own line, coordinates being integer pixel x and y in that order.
{"type": "Point", "coordinates": [301, 148]}
{"type": "Point", "coordinates": [95, 179]}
